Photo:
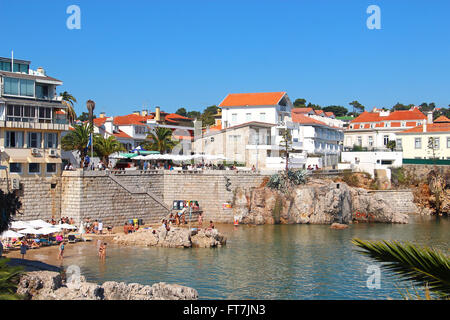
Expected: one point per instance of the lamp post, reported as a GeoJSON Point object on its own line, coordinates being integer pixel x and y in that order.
{"type": "Point", "coordinates": [91, 106]}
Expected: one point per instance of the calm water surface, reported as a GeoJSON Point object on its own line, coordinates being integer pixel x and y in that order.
{"type": "Point", "coordinates": [267, 262]}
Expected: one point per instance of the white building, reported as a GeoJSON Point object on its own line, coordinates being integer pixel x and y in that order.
{"type": "Point", "coordinates": [373, 130]}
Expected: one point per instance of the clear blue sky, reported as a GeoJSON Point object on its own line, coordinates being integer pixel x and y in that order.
{"type": "Point", "coordinates": [192, 53]}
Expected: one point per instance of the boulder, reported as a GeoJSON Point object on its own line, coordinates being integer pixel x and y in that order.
{"type": "Point", "coordinates": [207, 239]}
{"type": "Point", "coordinates": [318, 202]}
{"type": "Point", "coordinates": [47, 285]}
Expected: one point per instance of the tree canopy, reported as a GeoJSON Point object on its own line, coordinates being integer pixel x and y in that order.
{"type": "Point", "coordinates": [84, 116]}
{"type": "Point", "coordinates": [356, 105]}
{"type": "Point", "coordinates": [339, 111]}
{"type": "Point", "coordinates": [182, 112]}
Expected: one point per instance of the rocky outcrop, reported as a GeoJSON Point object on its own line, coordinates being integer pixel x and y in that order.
{"type": "Point", "coordinates": [174, 238]}
{"type": "Point", "coordinates": [318, 202]}
{"type": "Point", "coordinates": [48, 285]}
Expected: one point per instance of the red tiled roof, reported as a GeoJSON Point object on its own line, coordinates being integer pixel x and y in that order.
{"type": "Point", "coordinates": [434, 127]}
{"type": "Point", "coordinates": [252, 99]}
{"type": "Point", "coordinates": [329, 114]}
{"type": "Point", "coordinates": [318, 111]}
{"type": "Point", "coordinates": [177, 116]}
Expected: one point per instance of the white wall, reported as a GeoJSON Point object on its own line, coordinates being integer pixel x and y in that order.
{"type": "Point", "coordinates": [270, 114]}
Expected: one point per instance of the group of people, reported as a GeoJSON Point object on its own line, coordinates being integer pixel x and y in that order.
{"type": "Point", "coordinates": [66, 220]}
{"type": "Point", "coordinates": [130, 228]}
{"type": "Point", "coordinates": [69, 167]}
{"type": "Point", "coordinates": [315, 167]}
{"type": "Point", "coordinates": [95, 226]}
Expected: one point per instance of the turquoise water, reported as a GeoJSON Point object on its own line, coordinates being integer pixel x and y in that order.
{"type": "Point", "coordinates": [267, 262]}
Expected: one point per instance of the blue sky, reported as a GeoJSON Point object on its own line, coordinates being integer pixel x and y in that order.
{"type": "Point", "coordinates": [130, 54]}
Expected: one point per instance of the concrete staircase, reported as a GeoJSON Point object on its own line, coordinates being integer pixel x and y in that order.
{"type": "Point", "coordinates": [135, 189]}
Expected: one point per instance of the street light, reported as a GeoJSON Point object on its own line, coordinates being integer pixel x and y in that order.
{"type": "Point", "coordinates": [91, 106]}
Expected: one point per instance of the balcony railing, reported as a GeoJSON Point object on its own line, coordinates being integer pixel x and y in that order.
{"type": "Point", "coordinates": [55, 124]}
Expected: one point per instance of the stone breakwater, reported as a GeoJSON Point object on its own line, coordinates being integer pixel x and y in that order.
{"type": "Point", "coordinates": [174, 238]}
{"type": "Point", "coordinates": [317, 202]}
{"type": "Point", "coordinates": [48, 285]}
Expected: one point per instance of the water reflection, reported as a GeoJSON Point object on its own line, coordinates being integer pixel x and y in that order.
{"type": "Point", "coordinates": [266, 262]}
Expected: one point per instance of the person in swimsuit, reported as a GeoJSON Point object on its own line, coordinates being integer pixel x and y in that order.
{"type": "Point", "coordinates": [61, 251]}
{"type": "Point", "coordinates": [23, 248]}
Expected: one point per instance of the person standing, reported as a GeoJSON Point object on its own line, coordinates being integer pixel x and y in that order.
{"type": "Point", "coordinates": [200, 219]}
{"type": "Point", "coordinates": [100, 227]}
{"type": "Point", "coordinates": [1, 249]}
{"type": "Point", "coordinates": [61, 250]}
{"type": "Point", "coordinates": [23, 248]}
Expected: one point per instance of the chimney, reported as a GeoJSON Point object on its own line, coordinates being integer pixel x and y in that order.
{"type": "Point", "coordinates": [424, 127]}
{"type": "Point", "coordinates": [158, 114]}
{"type": "Point", "coordinates": [144, 112]}
{"type": "Point", "coordinates": [430, 117]}
{"type": "Point", "coordinates": [102, 115]}
{"type": "Point", "coordinates": [137, 113]}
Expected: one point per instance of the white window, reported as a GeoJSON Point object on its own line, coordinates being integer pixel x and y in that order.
{"type": "Point", "coordinates": [370, 141]}
{"type": "Point", "coordinates": [262, 117]}
{"type": "Point", "coordinates": [436, 143]}
{"type": "Point", "coordinates": [14, 139]}
{"type": "Point", "coordinates": [385, 140]}
{"type": "Point", "coordinates": [398, 143]}
{"type": "Point", "coordinates": [234, 117]}
{"type": "Point", "coordinates": [34, 168]}
{"type": "Point", "coordinates": [51, 140]}
{"type": "Point", "coordinates": [359, 141]}
{"type": "Point", "coordinates": [248, 117]}
{"type": "Point", "coordinates": [418, 143]}
{"type": "Point", "coordinates": [34, 139]}
{"type": "Point", "coordinates": [448, 142]}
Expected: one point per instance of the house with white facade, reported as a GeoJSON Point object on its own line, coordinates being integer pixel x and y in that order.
{"type": "Point", "coordinates": [250, 130]}
{"type": "Point", "coordinates": [373, 130]}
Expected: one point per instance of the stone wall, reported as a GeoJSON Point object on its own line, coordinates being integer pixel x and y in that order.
{"type": "Point", "coordinates": [421, 171]}
{"type": "Point", "coordinates": [40, 197]}
{"type": "Point", "coordinates": [402, 200]}
{"type": "Point", "coordinates": [209, 188]}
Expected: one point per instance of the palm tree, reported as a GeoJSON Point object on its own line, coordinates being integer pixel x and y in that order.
{"type": "Point", "coordinates": [161, 140]}
{"type": "Point", "coordinates": [68, 100]}
{"type": "Point", "coordinates": [105, 147]}
{"type": "Point", "coordinates": [427, 267]}
{"type": "Point", "coordinates": [77, 140]}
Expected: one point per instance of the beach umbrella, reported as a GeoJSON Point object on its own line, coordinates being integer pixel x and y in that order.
{"type": "Point", "coordinates": [19, 225]}
{"type": "Point", "coordinates": [66, 226]}
{"type": "Point", "coordinates": [49, 230]}
{"type": "Point", "coordinates": [39, 224]}
{"type": "Point", "coordinates": [30, 231]}
{"type": "Point", "coordinates": [11, 234]}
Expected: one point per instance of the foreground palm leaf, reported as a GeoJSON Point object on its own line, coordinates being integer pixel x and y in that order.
{"type": "Point", "coordinates": [424, 266]}
{"type": "Point", "coordinates": [9, 277]}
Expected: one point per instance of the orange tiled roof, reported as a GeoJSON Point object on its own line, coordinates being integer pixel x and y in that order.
{"type": "Point", "coordinates": [302, 110]}
{"type": "Point", "coordinates": [300, 118]}
{"type": "Point", "coordinates": [132, 119]}
{"type": "Point", "coordinates": [252, 99]}
{"type": "Point", "coordinates": [413, 114]}
{"type": "Point", "coordinates": [434, 127]}
{"type": "Point", "coordinates": [442, 119]}
{"type": "Point", "coordinates": [329, 114]}
{"type": "Point", "coordinates": [122, 134]}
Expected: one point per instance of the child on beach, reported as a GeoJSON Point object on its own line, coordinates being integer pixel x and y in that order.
{"type": "Point", "coordinates": [23, 248]}
{"type": "Point", "coordinates": [102, 251]}
{"type": "Point", "coordinates": [61, 251]}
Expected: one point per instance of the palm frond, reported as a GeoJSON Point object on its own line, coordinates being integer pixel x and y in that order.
{"type": "Point", "coordinates": [421, 265]}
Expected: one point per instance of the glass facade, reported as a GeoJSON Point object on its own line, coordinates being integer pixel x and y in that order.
{"type": "Point", "coordinates": [15, 167]}
{"type": "Point", "coordinates": [51, 140]}
{"type": "Point", "coordinates": [34, 139]}
{"type": "Point", "coordinates": [51, 167]}
{"type": "Point", "coordinates": [18, 67]}
{"type": "Point", "coordinates": [34, 168]}
{"type": "Point", "coordinates": [19, 87]}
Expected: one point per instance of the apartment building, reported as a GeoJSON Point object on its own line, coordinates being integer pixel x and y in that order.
{"type": "Point", "coordinates": [32, 119]}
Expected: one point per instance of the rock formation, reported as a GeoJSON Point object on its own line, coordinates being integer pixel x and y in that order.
{"type": "Point", "coordinates": [48, 285]}
{"type": "Point", "coordinates": [317, 202]}
{"type": "Point", "coordinates": [174, 238]}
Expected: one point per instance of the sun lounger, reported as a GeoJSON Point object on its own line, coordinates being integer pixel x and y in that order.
{"type": "Point", "coordinates": [71, 238]}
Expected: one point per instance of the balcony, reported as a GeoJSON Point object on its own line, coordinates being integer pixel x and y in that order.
{"type": "Point", "coordinates": [58, 125]}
